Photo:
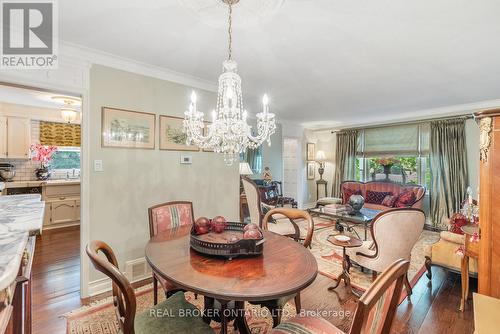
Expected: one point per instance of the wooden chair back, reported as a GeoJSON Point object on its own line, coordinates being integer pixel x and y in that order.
{"type": "Point", "coordinates": [292, 214]}
{"type": "Point", "coordinates": [168, 215]}
{"type": "Point", "coordinates": [123, 294]}
{"type": "Point", "coordinates": [253, 200]}
{"type": "Point", "coordinates": [377, 306]}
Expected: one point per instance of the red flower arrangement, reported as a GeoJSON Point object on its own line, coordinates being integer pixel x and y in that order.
{"type": "Point", "coordinates": [387, 161]}
{"type": "Point", "coordinates": [42, 153]}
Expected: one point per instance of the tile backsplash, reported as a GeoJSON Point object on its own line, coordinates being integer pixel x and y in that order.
{"type": "Point", "coordinates": [25, 169]}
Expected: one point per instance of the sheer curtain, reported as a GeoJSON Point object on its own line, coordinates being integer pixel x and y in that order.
{"type": "Point", "coordinates": [345, 159]}
{"type": "Point", "coordinates": [448, 157]}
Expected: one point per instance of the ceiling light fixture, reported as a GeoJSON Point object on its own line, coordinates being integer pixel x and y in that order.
{"type": "Point", "coordinates": [68, 111]}
{"type": "Point", "coordinates": [229, 132]}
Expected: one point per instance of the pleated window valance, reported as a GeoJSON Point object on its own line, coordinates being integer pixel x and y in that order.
{"type": "Point", "coordinates": [60, 134]}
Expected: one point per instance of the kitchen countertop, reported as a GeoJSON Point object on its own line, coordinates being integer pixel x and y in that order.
{"type": "Point", "coordinates": [20, 217]}
{"type": "Point", "coordinates": [37, 183]}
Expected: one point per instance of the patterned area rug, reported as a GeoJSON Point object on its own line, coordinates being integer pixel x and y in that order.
{"type": "Point", "coordinates": [99, 318]}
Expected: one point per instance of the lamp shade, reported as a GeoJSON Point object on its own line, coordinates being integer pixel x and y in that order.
{"type": "Point", "coordinates": [320, 156]}
{"type": "Point", "coordinates": [245, 169]}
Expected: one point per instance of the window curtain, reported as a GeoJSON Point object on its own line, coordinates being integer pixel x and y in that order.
{"type": "Point", "coordinates": [448, 158]}
{"type": "Point", "coordinates": [345, 159]}
{"type": "Point", "coordinates": [60, 134]}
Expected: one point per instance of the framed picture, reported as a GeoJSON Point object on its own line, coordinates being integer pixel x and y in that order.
{"type": "Point", "coordinates": [172, 136]}
{"type": "Point", "coordinates": [205, 132]}
{"type": "Point", "coordinates": [311, 170]}
{"type": "Point", "coordinates": [311, 151]}
{"type": "Point", "coordinates": [127, 128]}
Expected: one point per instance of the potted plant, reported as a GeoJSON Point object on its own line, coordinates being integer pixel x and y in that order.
{"type": "Point", "coordinates": [44, 155]}
{"type": "Point", "coordinates": [387, 163]}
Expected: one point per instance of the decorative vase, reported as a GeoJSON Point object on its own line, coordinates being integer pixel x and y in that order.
{"type": "Point", "coordinates": [387, 171]}
{"type": "Point", "coordinates": [356, 202]}
{"type": "Point", "coordinates": [43, 173]}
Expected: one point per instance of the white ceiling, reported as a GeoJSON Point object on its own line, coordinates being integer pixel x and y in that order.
{"type": "Point", "coordinates": [323, 62]}
{"type": "Point", "coordinates": [30, 97]}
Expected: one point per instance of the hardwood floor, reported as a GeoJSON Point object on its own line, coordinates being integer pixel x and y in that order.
{"type": "Point", "coordinates": [433, 307]}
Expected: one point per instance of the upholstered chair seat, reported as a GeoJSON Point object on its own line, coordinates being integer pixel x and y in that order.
{"type": "Point", "coordinates": [307, 325]}
{"type": "Point", "coordinates": [156, 320]}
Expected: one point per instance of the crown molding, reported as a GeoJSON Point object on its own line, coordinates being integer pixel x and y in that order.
{"type": "Point", "coordinates": [92, 56]}
{"type": "Point", "coordinates": [448, 111]}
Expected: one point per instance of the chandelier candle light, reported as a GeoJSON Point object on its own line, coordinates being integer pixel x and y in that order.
{"type": "Point", "coordinates": [229, 132]}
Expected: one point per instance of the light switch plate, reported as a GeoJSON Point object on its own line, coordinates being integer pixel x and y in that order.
{"type": "Point", "coordinates": [186, 159]}
{"type": "Point", "coordinates": [98, 167]}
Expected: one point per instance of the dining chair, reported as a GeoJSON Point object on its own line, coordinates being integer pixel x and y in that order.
{"type": "Point", "coordinates": [276, 306]}
{"type": "Point", "coordinates": [394, 234]}
{"type": "Point", "coordinates": [374, 313]}
{"type": "Point", "coordinates": [280, 223]}
{"type": "Point", "coordinates": [163, 217]}
{"type": "Point", "coordinates": [153, 320]}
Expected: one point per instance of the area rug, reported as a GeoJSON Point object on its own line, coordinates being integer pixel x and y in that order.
{"type": "Point", "coordinates": [100, 318]}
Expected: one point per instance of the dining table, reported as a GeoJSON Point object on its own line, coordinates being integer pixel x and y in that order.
{"type": "Point", "coordinates": [284, 268]}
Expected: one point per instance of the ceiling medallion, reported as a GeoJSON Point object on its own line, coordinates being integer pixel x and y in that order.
{"type": "Point", "coordinates": [229, 132]}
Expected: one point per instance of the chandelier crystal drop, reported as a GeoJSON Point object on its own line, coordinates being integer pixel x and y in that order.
{"type": "Point", "coordinates": [229, 132]}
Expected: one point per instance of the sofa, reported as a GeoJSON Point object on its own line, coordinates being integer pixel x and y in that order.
{"type": "Point", "coordinates": [348, 188]}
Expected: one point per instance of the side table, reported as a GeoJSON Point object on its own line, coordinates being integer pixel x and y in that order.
{"type": "Point", "coordinates": [319, 183]}
{"type": "Point", "coordinates": [471, 251]}
{"type": "Point", "coordinates": [346, 262]}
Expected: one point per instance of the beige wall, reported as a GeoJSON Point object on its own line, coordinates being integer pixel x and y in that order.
{"type": "Point", "coordinates": [272, 156]}
{"type": "Point", "coordinates": [472, 142]}
{"type": "Point", "coordinates": [135, 179]}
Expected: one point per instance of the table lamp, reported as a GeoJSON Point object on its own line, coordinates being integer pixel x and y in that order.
{"type": "Point", "coordinates": [245, 169]}
{"type": "Point", "coordinates": [321, 158]}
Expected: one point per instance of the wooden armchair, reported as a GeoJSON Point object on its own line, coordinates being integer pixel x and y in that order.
{"type": "Point", "coordinates": [275, 306]}
{"type": "Point", "coordinates": [152, 320]}
{"type": "Point", "coordinates": [375, 311]}
{"type": "Point", "coordinates": [163, 217]}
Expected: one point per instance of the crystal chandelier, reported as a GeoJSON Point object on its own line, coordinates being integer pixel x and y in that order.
{"type": "Point", "coordinates": [229, 132]}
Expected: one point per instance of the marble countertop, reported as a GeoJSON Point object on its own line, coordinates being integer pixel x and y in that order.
{"type": "Point", "coordinates": [20, 216]}
{"type": "Point", "coordinates": [11, 253]}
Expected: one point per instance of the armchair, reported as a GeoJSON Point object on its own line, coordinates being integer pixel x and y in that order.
{"type": "Point", "coordinates": [394, 233]}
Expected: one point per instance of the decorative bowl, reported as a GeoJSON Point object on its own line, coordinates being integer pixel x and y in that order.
{"type": "Point", "coordinates": [356, 202]}
{"type": "Point", "coordinates": [341, 237]}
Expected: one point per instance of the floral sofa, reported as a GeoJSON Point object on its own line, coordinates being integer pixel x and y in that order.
{"type": "Point", "coordinates": [384, 195]}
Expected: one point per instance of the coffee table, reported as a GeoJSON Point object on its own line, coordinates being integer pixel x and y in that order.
{"type": "Point", "coordinates": [346, 220]}
{"type": "Point", "coordinates": [346, 262]}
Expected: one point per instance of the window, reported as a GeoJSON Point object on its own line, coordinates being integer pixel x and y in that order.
{"type": "Point", "coordinates": [404, 148]}
{"type": "Point", "coordinates": [66, 158]}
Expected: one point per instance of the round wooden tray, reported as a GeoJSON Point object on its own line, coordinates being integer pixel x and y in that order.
{"type": "Point", "coordinates": [218, 244]}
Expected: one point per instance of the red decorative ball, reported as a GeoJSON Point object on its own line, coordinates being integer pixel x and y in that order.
{"type": "Point", "coordinates": [252, 234]}
{"type": "Point", "coordinates": [251, 226]}
{"type": "Point", "coordinates": [202, 225]}
{"type": "Point", "coordinates": [219, 224]}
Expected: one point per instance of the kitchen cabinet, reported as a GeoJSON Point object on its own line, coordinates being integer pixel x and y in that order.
{"type": "Point", "coordinates": [14, 137]}
{"type": "Point", "coordinates": [62, 204]}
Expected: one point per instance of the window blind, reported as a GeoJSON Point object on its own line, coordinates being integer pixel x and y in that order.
{"type": "Point", "coordinates": [60, 134]}
{"type": "Point", "coordinates": [390, 140]}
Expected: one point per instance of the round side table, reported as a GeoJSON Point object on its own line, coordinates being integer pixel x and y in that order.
{"type": "Point", "coordinates": [346, 262]}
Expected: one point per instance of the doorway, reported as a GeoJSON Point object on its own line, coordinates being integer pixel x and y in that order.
{"type": "Point", "coordinates": [290, 167]}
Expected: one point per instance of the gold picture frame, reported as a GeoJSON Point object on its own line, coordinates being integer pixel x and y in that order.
{"type": "Point", "coordinates": [172, 137]}
{"type": "Point", "coordinates": [121, 128]}
{"type": "Point", "coordinates": [310, 151]}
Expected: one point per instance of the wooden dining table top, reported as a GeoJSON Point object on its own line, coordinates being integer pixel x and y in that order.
{"type": "Point", "coordinates": [284, 268]}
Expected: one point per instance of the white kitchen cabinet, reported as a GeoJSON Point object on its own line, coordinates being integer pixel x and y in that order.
{"type": "Point", "coordinates": [3, 137]}
{"type": "Point", "coordinates": [18, 137]}
{"type": "Point", "coordinates": [62, 204]}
